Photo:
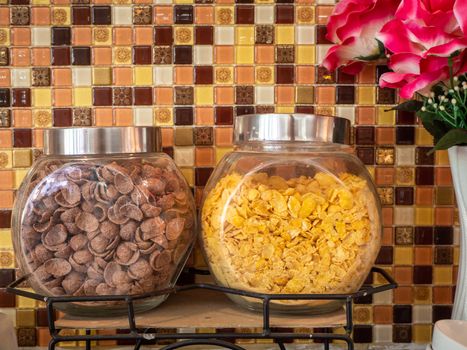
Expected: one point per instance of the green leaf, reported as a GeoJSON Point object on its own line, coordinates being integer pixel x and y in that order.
{"type": "Point", "coordinates": [452, 138]}
{"type": "Point", "coordinates": [408, 106]}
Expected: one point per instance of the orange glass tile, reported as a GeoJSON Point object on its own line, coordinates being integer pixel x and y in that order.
{"type": "Point", "coordinates": [123, 117]}
{"type": "Point", "coordinates": [424, 195]}
{"type": "Point", "coordinates": [224, 54]}
{"type": "Point", "coordinates": [6, 139]}
{"type": "Point", "coordinates": [367, 75]}
{"type": "Point", "coordinates": [224, 137]}
{"type": "Point", "coordinates": [184, 75]}
{"type": "Point", "coordinates": [102, 55]}
{"type": "Point", "coordinates": [388, 216]}
{"type": "Point", "coordinates": [167, 137]}
{"type": "Point", "coordinates": [385, 136]}
{"type": "Point", "coordinates": [144, 35]}
{"type": "Point", "coordinates": [382, 314]}
{"type": "Point", "coordinates": [323, 13]}
{"type": "Point", "coordinates": [22, 118]}
{"type": "Point", "coordinates": [423, 255]}
{"type": "Point", "coordinates": [62, 97]}
{"type": "Point", "coordinates": [224, 95]}
{"type": "Point", "coordinates": [442, 295]}
{"type": "Point", "coordinates": [403, 295]}
{"type": "Point", "coordinates": [163, 14]}
{"type": "Point", "coordinates": [388, 236]}
{"type": "Point", "coordinates": [40, 56]}
{"type": "Point", "coordinates": [6, 199]}
{"type": "Point", "coordinates": [205, 156]}
{"type": "Point", "coordinates": [403, 275]}
{"type": "Point", "coordinates": [204, 116]}
{"type": "Point", "coordinates": [82, 35]}
{"type": "Point", "coordinates": [245, 75]}
{"type": "Point", "coordinates": [6, 179]}
{"type": "Point", "coordinates": [5, 77]}
{"type": "Point", "coordinates": [163, 96]}
{"type": "Point", "coordinates": [444, 216]}
{"type": "Point", "coordinates": [285, 95]}
{"type": "Point", "coordinates": [305, 74]}
{"type": "Point", "coordinates": [123, 76]}
{"type": "Point", "coordinates": [20, 56]}
{"type": "Point", "coordinates": [325, 95]}
{"type": "Point", "coordinates": [43, 337]}
{"type": "Point", "coordinates": [4, 16]}
{"type": "Point", "coordinates": [123, 35]}
{"type": "Point", "coordinates": [40, 15]}
{"type": "Point", "coordinates": [38, 138]}
{"type": "Point", "coordinates": [443, 176]}
{"type": "Point", "coordinates": [103, 117]}
{"type": "Point", "coordinates": [61, 76]}
{"type": "Point", "coordinates": [264, 54]}
{"type": "Point", "coordinates": [384, 176]}
{"type": "Point", "coordinates": [204, 14]}
{"type": "Point", "coordinates": [365, 115]}
{"type": "Point", "coordinates": [21, 36]}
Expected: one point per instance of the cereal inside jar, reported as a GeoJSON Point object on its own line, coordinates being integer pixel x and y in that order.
{"type": "Point", "coordinates": [283, 216]}
{"type": "Point", "coordinates": [100, 220]}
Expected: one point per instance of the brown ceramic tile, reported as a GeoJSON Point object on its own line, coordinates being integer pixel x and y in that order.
{"type": "Point", "coordinates": [444, 255]}
{"type": "Point", "coordinates": [324, 76]}
{"type": "Point", "coordinates": [441, 312]}
{"type": "Point", "coordinates": [102, 96]}
{"type": "Point", "coordinates": [244, 95]}
{"type": "Point", "coordinates": [404, 235]}
{"type": "Point", "coordinates": [81, 56]}
{"type": "Point", "coordinates": [203, 136]}
{"type": "Point", "coordinates": [142, 96]}
{"type": "Point", "coordinates": [385, 96]}
{"type": "Point", "coordinates": [142, 54]}
{"type": "Point", "coordinates": [404, 195]}
{"type": "Point", "coordinates": [20, 15]}
{"type": "Point", "coordinates": [204, 35]}
{"type": "Point", "coordinates": [265, 34]}
{"type": "Point", "coordinates": [244, 110]}
{"type": "Point", "coordinates": [81, 15]}
{"type": "Point", "coordinates": [82, 116]}
{"type": "Point", "coordinates": [183, 14]}
{"type": "Point", "coordinates": [4, 56]}
{"type": "Point", "coordinates": [5, 118]}
{"type": "Point", "coordinates": [422, 274]}
{"type": "Point", "coordinates": [365, 135]}
{"type": "Point", "coordinates": [285, 54]}
{"type": "Point", "coordinates": [305, 109]}
{"type": "Point", "coordinates": [26, 337]}
{"type": "Point", "coordinates": [122, 96]}
{"type": "Point", "coordinates": [41, 76]}
{"type": "Point", "coordinates": [142, 15]}
{"type": "Point", "coordinates": [345, 95]}
{"type": "Point", "coordinates": [203, 75]}
{"type": "Point", "coordinates": [285, 14]}
{"type": "Point", "coordinates": [202, 175]}
{"type": "Point", "coordinates": [162, 54]}
{"type": "Point", "coordinates": [5, 100]}
{"type": "Point", "coordinates": [424, 176]}
{"type": "Point", "coordinates": [184, 95]}
{"type": "Point", "coordinates": [442, 295]}
{"type": "Point", "coordinates": [422, 156]}
{"type": "Point", "coordinates": [61, 36]}
{"type": "Point", "coordinates": [405, 135]}
{"type": "Point", "coordinates": [163, 35]}
{"type": "Point", "coordinates": [405, 118]}
{"type": "Point", "coordinates": [344, 78]}
{"type": "Point", "coordinates": [402, 333]}
{"type": "Point", "coordinates": [366, 155]}
{"type": "Point", "coordinates": [321, 35]}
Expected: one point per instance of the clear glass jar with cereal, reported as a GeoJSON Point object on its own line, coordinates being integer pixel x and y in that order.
{"type": "Point", "coordinates": [291, 211]}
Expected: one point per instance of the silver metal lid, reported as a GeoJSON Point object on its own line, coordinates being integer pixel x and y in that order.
{"type": "Point", "coordinates": [291, 127]}
{"type": "Point", "coordinates": [83, 141]}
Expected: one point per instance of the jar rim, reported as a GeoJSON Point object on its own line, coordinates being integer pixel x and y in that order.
{"type": "Point", "coordinates": [294, 127]}
{"type": "Point", "coordinates": [102, 140]}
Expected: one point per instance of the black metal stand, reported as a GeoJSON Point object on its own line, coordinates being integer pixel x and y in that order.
{"type": "Point", "coordinates": [140, 336]}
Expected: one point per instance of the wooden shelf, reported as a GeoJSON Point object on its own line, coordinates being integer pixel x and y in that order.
{"type": "Point", "coordinates": [203, 309]}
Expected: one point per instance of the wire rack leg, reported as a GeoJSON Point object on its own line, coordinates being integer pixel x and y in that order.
{"type": "Point", "coordinates": [52, 344]}
{"type": "Point", "coordinates": [214, 342]}
{"type": "Point", "coordinates": [138, 344]}
{"type": "Point", "coordinates": [281, 345]}
{"type": "Point", "coordinates": [326, 344]}
{"type": "Point", "coordinates": [88, 341]}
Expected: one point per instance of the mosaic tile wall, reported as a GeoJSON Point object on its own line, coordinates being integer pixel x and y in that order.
{"type": "Point", "coordinates": [191, 68]}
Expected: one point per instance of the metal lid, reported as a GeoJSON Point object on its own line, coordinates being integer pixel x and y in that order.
{"type": "Point", "coordinates": [82, 141]}
{"type": "Point", "coordinates": [291, 127]}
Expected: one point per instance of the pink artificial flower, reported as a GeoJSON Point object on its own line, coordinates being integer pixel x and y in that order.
{"type": "Point", "coordinates": [420, 39]}
{"type": "Point", "coordinates": [353, 27]}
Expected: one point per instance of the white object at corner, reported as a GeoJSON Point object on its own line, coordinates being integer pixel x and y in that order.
{"type": "Point", "coordinates": [449, 335]}
{"type": "Point", "coordinates": [7, 333]}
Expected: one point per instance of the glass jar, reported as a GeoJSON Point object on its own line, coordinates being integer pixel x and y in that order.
{"type": "Point", "coordinates": [291, 211]}
{"type": "Point", "coordinates": [104, 212]}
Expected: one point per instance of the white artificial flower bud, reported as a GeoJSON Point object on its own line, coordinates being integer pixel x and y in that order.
{"type": "Point", "coordinates": [423, 109]}
{"type": "Point", "coordinates": [435, 105]}
{"type": "Point", "coordinates": [451, 91]}
{"type": "Point", "coordinates": [457, 88]}
{"type": "Point", "coordinates": [442, 108]}
{"type": "Point", "coordinates": [432, 94]}
{"type": "Point", "coordinates": [430, 101]}
{"type": "Point", "coordinates": [456, 78]}
{"type": "Point", "coordinates": [453, 101]}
